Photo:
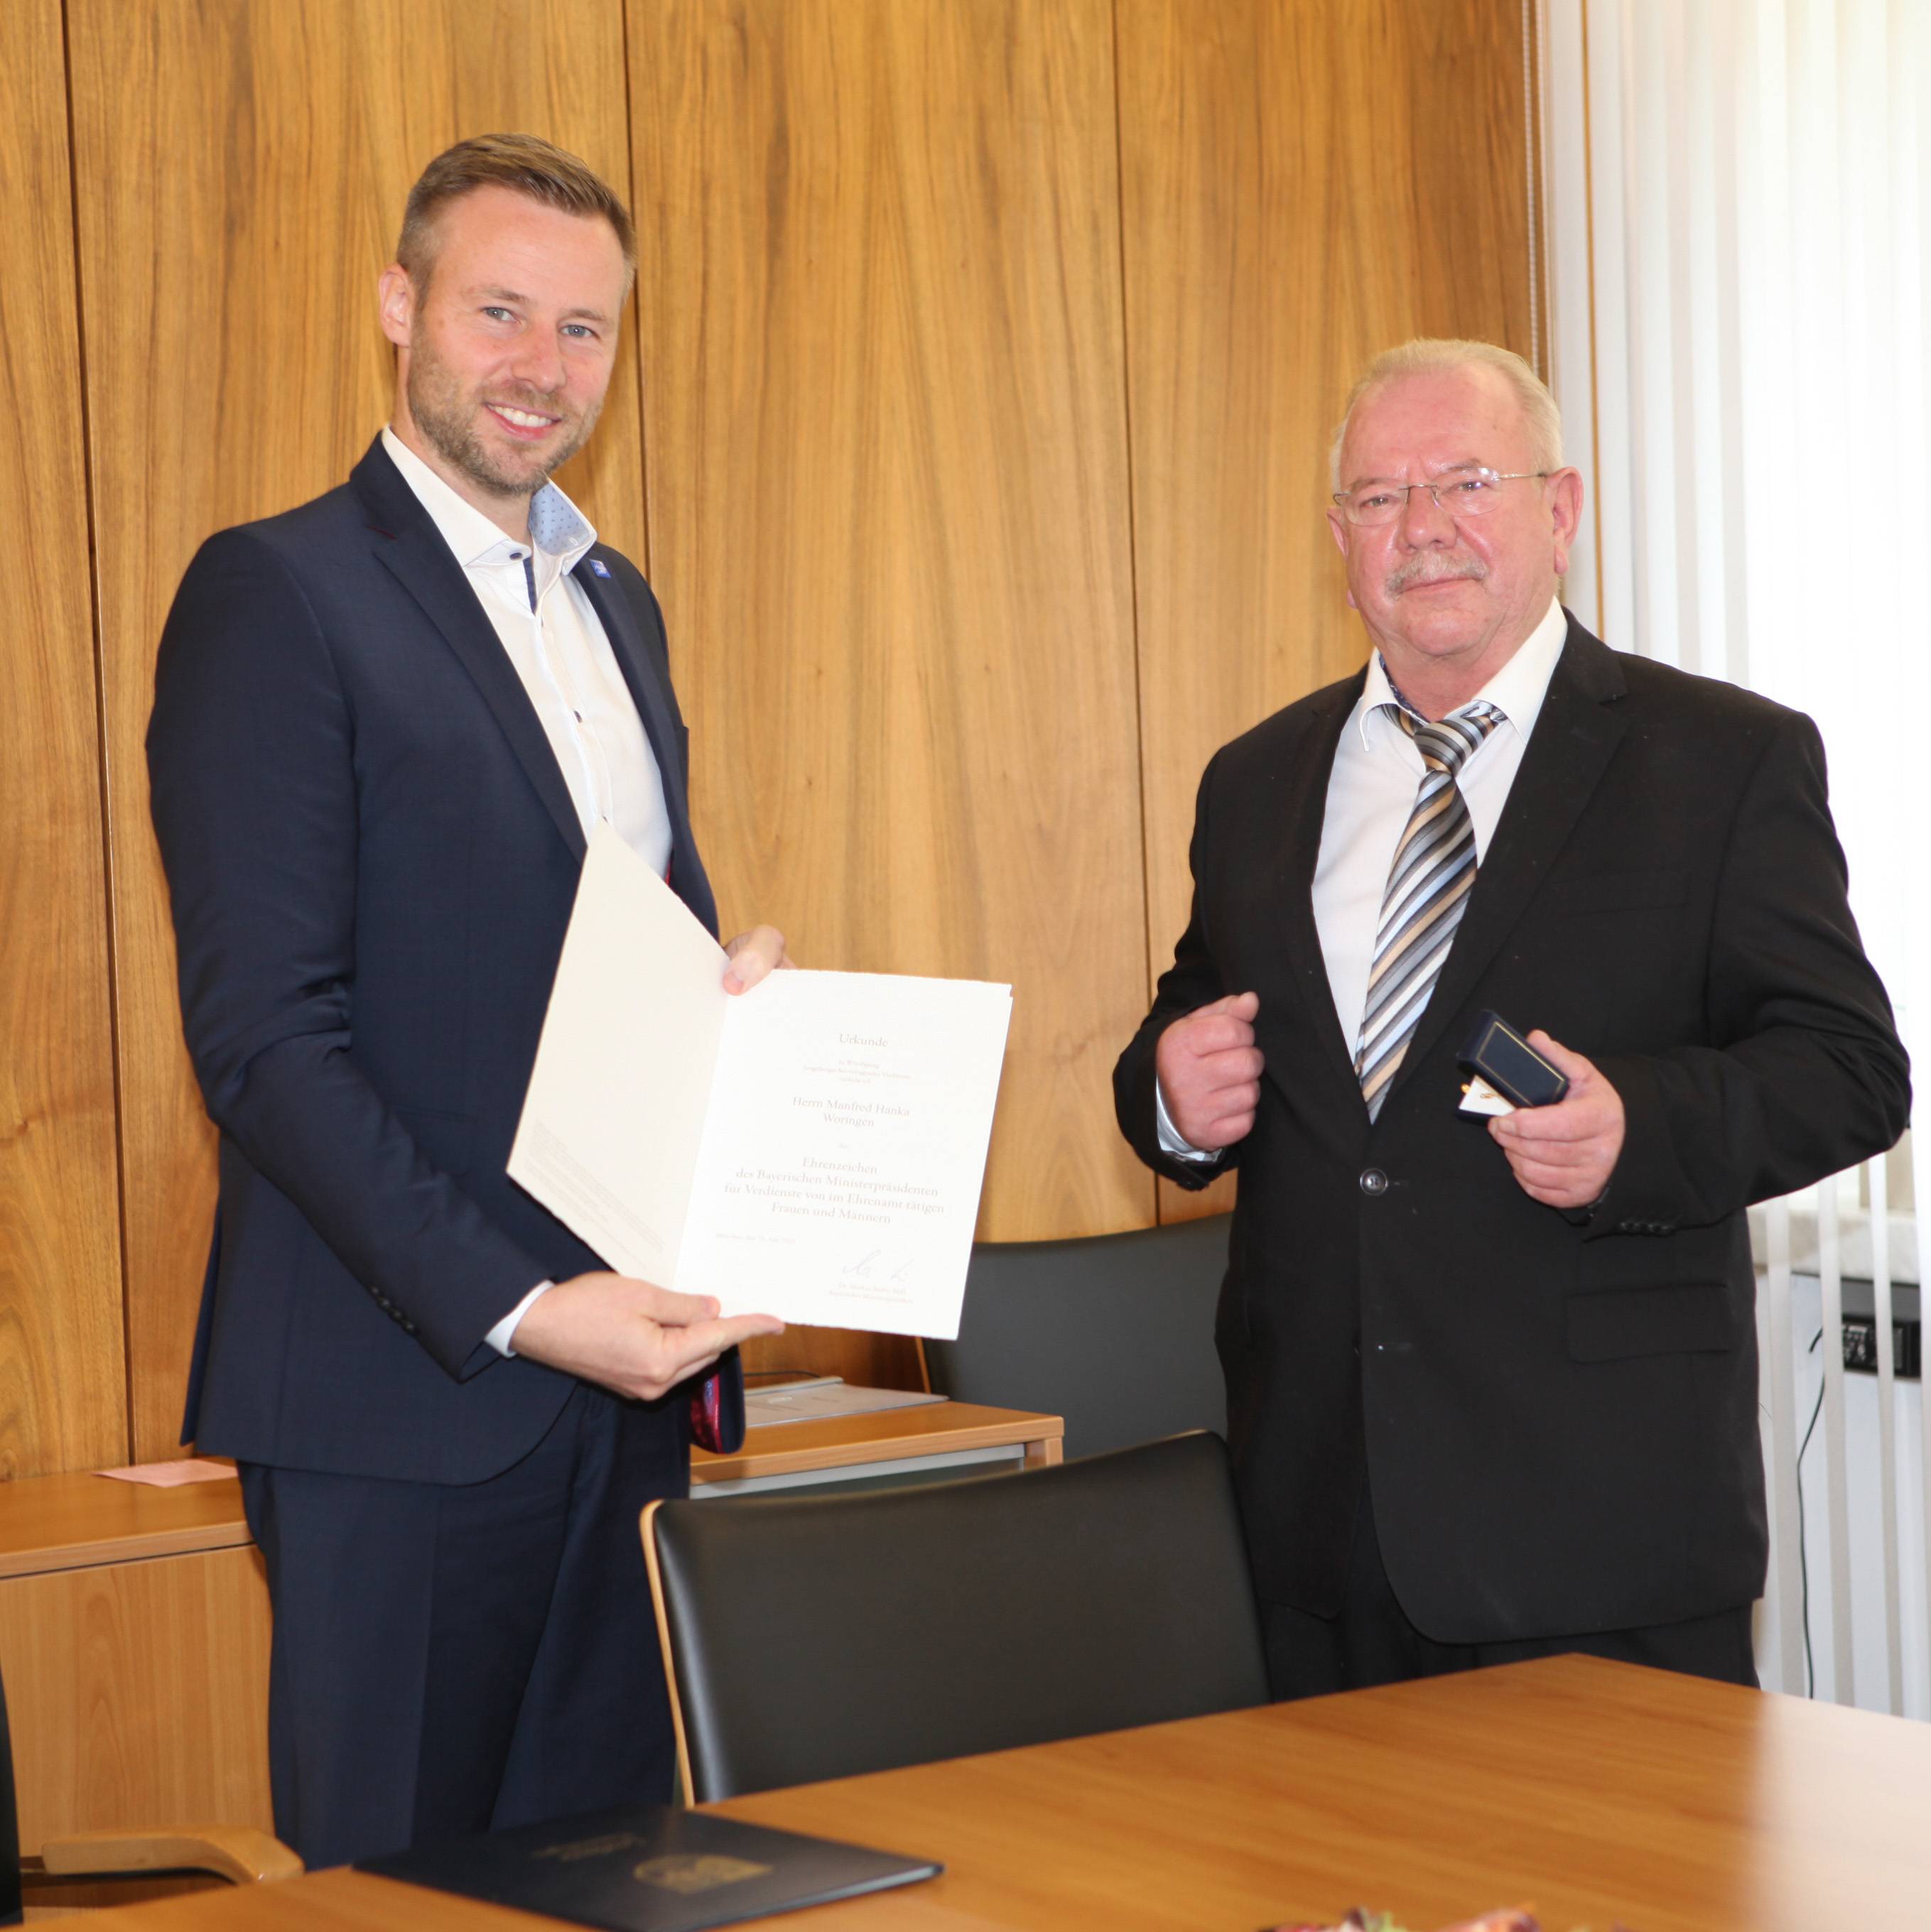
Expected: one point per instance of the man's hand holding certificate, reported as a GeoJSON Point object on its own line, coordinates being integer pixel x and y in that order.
{"type": "Point", "coordinates": [812, 1150]}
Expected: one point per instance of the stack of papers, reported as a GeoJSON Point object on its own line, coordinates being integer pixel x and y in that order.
{"type": "Point", "coordinates": [823, 1399]}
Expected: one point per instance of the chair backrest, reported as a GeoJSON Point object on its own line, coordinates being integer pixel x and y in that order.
{"type": "Point", "coordinates": [1115, 1333]}
{"type": "Point", "coordinates": [819, 1636]}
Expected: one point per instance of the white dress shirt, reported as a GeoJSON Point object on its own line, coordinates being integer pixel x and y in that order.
{"type": "Point", "coordinates": [1377, 770]}
{"type": "Point", "coordinates": [556, 643]}
{"type": "Point", "coordinates": [553, 636]}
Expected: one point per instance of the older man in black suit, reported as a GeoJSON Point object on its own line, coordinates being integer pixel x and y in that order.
{"type": "Point", "coordinates": [384, 725]}
{"type": "Point", "coordinates": [1492, 1383]}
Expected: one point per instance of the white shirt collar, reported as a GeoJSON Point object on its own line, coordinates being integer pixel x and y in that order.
{"type": "Point", "coordinates": [558, 528]}
{"type": "Point", "coordinates": [1517, 690]}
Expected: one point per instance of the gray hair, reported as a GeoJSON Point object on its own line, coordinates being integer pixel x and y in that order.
{"type": "Point", "coordinates": [1433, 355]}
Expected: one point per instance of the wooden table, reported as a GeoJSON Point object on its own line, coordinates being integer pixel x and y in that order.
{"type": "Point", "coordinates": [134, 1622]}
{"type": "Point", "coordinates": [932, 1439]}
{"type": "Point", "coordinates": [1600, 1793]}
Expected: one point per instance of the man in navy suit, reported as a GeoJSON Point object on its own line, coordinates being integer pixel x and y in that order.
{"type": "Point", "coordinates": [384, 725]}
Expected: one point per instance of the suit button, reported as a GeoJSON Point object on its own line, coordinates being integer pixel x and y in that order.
{"type": "Point", "coordinates": [1374, 1181]}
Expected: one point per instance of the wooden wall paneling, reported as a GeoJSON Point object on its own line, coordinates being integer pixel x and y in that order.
{"type": "Point", "coordinates": [63, 1390]}
{"type": "Point", "coordinates": [864, 1359]}
{"type": "Point", "coordinates": [137, 1693]}
{"type": "Point", "coordinates": [242, 167]}
{"type": "Point", "coordinates": [1302, 184]}
{"type": "Point", "coordinates": [880, 294]}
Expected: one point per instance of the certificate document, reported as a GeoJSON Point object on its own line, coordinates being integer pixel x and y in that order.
{"type": "Point", "coordinates": [812, 1149]}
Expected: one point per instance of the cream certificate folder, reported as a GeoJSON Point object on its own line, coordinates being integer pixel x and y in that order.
{"type": "Point", "coordinates": [812, 1149]}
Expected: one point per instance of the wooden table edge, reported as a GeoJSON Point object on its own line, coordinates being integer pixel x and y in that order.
{"type": "Point", "coordinates": [220, 1524]}
{"type": "Point", "coordinates": [1041, 1436]}
{"type": "Point", "coordinates": [187, 1539]}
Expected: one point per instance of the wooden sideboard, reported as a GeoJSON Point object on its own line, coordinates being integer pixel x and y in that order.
{"type": "Point", "coordinates": [134, 1647]}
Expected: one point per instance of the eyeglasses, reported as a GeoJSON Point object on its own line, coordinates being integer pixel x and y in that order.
{"type": "Point", "coordinates": [1472, 492]}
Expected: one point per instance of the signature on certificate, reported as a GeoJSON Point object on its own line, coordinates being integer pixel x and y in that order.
{"type": "Point", "coordinates": [880, 1266]}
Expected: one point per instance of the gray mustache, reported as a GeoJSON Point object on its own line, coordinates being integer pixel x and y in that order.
{"type": "Point", "coordinates": [1424, 570]}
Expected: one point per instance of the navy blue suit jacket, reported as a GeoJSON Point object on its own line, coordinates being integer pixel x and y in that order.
{"type": "Point", "coordinates": [372, 854]}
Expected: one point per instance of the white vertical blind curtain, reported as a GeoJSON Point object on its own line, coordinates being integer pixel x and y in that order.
{"type": "Point", "coordinates": [1737, 203]}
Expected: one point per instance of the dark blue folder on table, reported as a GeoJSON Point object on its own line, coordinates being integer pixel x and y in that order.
{"type": "Point", "coordinates": [651, 1868]}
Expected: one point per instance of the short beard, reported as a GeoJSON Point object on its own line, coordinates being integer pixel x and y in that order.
{"type": "Point", "coordinates": [446, 419]}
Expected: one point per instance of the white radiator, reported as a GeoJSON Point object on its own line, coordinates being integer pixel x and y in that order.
{"type": "Point", "coordinates": [1863, 1536]}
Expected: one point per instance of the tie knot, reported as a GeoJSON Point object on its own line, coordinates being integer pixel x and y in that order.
{"type": "Point", "coordinates": [1446, 746]}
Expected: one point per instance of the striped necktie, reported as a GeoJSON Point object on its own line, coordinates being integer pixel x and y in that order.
{"type": "Point", "coordinates": [1428, 887]}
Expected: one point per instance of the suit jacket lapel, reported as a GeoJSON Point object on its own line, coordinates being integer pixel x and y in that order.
{"type": "Point", "coordinates": [1576, 735]}
{"type": "Point", "coordinates": [1297, 811]}
{"type": "Point", "coordinates": [653, 700]}
{"type": "Point", "coordinates": [647, 689]}
{"type": "Point", "coordinates": [412, 548]}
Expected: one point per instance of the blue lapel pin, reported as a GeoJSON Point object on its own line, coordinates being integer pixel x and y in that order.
{"type": "Point", "coordinates": [597, 564]}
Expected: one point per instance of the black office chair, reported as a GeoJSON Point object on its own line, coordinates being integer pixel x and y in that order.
{"type": "Point", "coordinates": [132, 1861]}
{"type": "Point", "coordinates": [1115, 1333]}
{"type": "Point", "coordinates": [819, 1636]}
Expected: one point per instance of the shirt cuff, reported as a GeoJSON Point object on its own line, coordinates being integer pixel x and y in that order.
{"type": "Point", "coordinates": [498, 1337]}
{"type": "Point", "coordinates": [1171, 1141]}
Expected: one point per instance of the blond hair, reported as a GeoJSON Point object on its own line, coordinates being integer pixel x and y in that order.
{"type": "Point", "coordinates": [522, 162]}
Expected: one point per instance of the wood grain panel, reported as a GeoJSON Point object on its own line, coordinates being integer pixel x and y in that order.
{"type": "Point", "coordinates": [881, 308]}
{"type": "Point", "coordinates": [63, 1396]}
{"type": "Point", "coordinates": [138, 1693]}
{"type": "Point", "coordinates": [1302, 185]}
{"type": "Point", "coordinates": [865, 1360]}
{"type": "Point", "coordinates": [241, 169]}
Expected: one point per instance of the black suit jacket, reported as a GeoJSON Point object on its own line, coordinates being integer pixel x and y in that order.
{"type": "Point", "coordinates": [1558, 1414]}
{"type": "Point", "coordinates": [372, 856]}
